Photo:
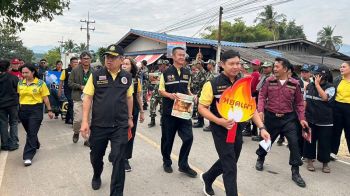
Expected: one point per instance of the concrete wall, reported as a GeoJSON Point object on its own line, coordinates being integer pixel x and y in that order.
{"type": "Point", "coordinates": [142, 44]}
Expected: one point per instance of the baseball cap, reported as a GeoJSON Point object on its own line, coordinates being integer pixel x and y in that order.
{"type": "Point", "coordinates": [320, 69]}
{"type": "Point", "coordinates": [306, 67]}
{"type": "Point", "coordinates": [15, 61]}
{"type": "Point", "coordinates": [267, 64]}
{"type": "Point", "coordinates": [160, 62]}
{"type": "Point", "coordinates": [114, 50]}
{"type": "Point", "coordinates": [256, 62]}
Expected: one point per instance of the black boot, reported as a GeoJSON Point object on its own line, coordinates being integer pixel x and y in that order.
{"type": "Point", "coordinates": [296, 177]}
{"type": "Point", "coordinates": [260, 163]}
{"type": "Point", "coordinates": [152, 123]}
{"type": "Point", "coordinates": [199, 123]}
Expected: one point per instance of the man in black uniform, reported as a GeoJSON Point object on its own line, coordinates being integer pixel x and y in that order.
{"type": "Point", "coordinates": [109, 91]}
{"type": "Point", "coordinates": [228, 152]}
{"type": "Point", "coordinates": [176, 79]}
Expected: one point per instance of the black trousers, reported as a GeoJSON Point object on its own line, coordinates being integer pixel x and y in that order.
{"type": "Point", "coordinates": [99, 137]}
{"type": "Point", "coordinates": [31, 117]}
{"type": "Point", "coordinates": [9, 116]}
{"type": "Point", "coordinates": [228, 158]}
{"type": "Point", "coordinates": [288, 126]}
{"type": "Point", "coordinates": [171, 125]}
{"type": "Point", "coordinates": [69, 115]}
{"type": "Point", "coordinates": [341, 116]}
{"type": "Point", "coordinates": [130, 145]}
{"type": "Point", "coordinates": [320, 136]}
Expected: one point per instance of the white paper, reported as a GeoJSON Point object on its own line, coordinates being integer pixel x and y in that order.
{"type": "Point", "coordinates": [265, 145]}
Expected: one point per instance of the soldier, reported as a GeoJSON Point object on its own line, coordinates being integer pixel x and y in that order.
{"type": "Point", "coordinates": [210, 75]}
{"type": "Point", "coordinates": [197, 83]}
{"type": "Point", "coordinates": [144, 79]}
{"type": "Point", "coordinates": [156, 98]}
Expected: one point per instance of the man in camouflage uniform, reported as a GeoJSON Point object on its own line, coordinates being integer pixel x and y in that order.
{"type": "Point", "coordinates": [156, 97]}
{"type": "Point", "coordinates": [210, 75]}
{"type": "Point", "coordinates": [145, 80]}
{"type": "Point", "coordinates": [197, 83]}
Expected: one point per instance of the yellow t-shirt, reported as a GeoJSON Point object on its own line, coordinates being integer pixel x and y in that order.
{"type": "Point", "coordinates": [343, 92]}
{"type": "Point", "coordinates": [89, 88]}
{"type": "Point", "coordinates": [162, 82]}
{"type": "Point", "coordinates": [32, 94]}
{"type": "Point", "coordinates": [207, 95]}
{"type": "Point", "coordinates": [63, 75]}
{"type": "Point", "coordinates": [139, 87]}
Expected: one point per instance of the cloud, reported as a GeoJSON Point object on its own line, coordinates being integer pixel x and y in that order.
{"type": "Point", "coordinates": [114, 18]}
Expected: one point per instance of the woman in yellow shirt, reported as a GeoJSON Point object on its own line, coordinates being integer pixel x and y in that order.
{"type": "Point", "coordinates": [32, 93]}
{"type": "Point", "coordinates": [341, 109]}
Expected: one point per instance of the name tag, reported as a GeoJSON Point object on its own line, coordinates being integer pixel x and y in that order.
{"type": "Point", "coordinates": [185, 77]}
{"type": "Point", "coordinates": [291, 87]}
{"type": "Point", "coordinates": [102, 82]}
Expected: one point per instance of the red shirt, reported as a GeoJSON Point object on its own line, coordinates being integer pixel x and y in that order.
{"type": "Point", "coordinates": [255, 81]}
{"type": "Point", "coordinates": [281, 99]}
{"type": "Point", "coordinates": [18, 74]}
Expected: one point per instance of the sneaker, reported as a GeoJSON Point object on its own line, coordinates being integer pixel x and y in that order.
{"type": "Point", "coordinates": [207, 188]}
{"type": "Point", "coordinates": [127, 166]}
{"type": "Point", "coordinates": [189, 172]}
{"type": "Point", "coordinates": [75, 137]}
{"type": "Point", "coordinates": [96, 182]}
{"type": "Point", "coordinates": [333, 157]}
{"type": "Point", "coordinates": [257, 138]}
{"type": "Point", "coordinates": [280, 141]}
{"type": "Point", "coordinates": [27, 162]}
{"type": "Point", "coordinates": [207, 129]}
{"type": "Point", "coordinates": [168, 169]}
{"type": "Point", "coordinates": [86, 143]}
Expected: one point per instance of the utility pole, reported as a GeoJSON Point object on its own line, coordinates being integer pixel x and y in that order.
{"type": "Point", "coordinates": [61, 42]}
{"type": "Point", "coordinates": [218, 52]}
{"type": "Point", "coordinates": [88, 29]}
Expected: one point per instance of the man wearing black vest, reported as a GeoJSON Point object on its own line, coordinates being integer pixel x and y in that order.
{"type": "Point", "coordinates": [176, 79]}
{"type": "Point", "coordinates": [109, 92]}
{"type": "Point", "coordinates": [228, 152]}
{"type": "Point", "coordinates": [67, 91]}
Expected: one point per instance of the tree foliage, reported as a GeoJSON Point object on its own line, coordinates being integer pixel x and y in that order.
{"type": "Point", "coordinates": [270, 19]}
{"type": "Point", "coordinates": [52, 56]}
{"type": "Point", "coordinates": [240, 32]}
{"type": "Point", "coordinates": [12, 47]}
{"type": "Point", "coordinates": [16, 12]}
{"type": "Point", "coordinates": [289, 30]}
{"type": "Point", "coordinates": [326, 38]}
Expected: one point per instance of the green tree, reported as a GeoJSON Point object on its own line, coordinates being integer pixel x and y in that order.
{"type": "Point", "coordinates": [270, 19]}
{"type": "Point", "coordinates": [326, 38]}
{"type": "Point", "coordinates": [12, 47]}
{"type": "Point", "coordinates": [100, 52]}
{"type": "Point", "coordinates": [52, 56]}
{"type": "Point", "coordinates": [70, 46]}
{"type": "Point", "coordinates": [239, 32]}
{"type": "Point", "coordinates": [289, 30]}
{"type": "Point", "coordinates": [16, 12]}
{"type": "Point", "coordinates": [81, 47]}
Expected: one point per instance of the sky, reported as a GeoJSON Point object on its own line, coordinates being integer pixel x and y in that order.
{"type": "Point", "coordinates": [114, 18]}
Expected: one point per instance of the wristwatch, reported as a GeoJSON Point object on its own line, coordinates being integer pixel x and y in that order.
{"type": "Point", "coordinates": [262, 128]}
{"type": "Point", "coordinates": [130, 117]}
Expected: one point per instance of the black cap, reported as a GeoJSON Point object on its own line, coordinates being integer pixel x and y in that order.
{"type": "Point", "coordinates": [114, 50]}
{"type": "Point", "coordinates": [320, 69]}
{"type": "Point", "coordinates": [306, 67]}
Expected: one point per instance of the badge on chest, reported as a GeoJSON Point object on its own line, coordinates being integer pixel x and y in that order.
{"type": "Point", "coordinates": [171, 78]}
{"type": "Point", "coordinates": [102, 80]}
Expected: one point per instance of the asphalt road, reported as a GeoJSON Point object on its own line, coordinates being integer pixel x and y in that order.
{"type": "Point", "coordinates": [62, 168]}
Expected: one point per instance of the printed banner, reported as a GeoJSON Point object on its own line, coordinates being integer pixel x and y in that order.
{"type": "Point", "coordinates": [172, 45]}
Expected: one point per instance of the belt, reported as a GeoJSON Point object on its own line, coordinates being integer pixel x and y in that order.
{"type": "Point", "coordinates": [280, 115]}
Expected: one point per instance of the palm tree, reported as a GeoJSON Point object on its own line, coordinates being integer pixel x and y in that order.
{"type": "Point", "coordinates": [325, 38]}
{"type": "Point", "coordinates": [270, 19]}
{"type": "Point", "coordinates": [69, 46]}
{"type": "Point", "coordinates": [81, 47]}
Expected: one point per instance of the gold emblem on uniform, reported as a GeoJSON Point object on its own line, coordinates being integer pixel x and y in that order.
{"type": "Point", "coordinates": [185, 77]}
{"type": "Point", "coordinates": [171, 78]}
{"type": "Point", "coordinates": [112, 48]}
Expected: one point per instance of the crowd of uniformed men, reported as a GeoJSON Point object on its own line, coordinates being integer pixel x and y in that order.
{"type": "Point", "coordinates": [105, 104]}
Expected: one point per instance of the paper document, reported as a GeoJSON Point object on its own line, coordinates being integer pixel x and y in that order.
{"type": "Point", "coordinates": [266, 145]}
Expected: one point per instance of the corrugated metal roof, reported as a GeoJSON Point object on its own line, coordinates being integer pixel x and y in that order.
{"type": "Point", "coordinates": [191, 40]}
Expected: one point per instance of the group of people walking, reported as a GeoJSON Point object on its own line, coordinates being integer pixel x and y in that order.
{"type": "Point", "coordinates": [106, 104]}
